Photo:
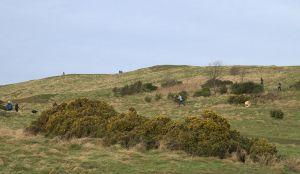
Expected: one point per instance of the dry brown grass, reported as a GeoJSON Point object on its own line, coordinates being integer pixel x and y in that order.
{"type": "Point", "coordinates": [139, 148]}
{"type": "Point", "coordinates": [189, 84]}
{"type": "Point", "coordinates": [17, 134]}
{"type": "Point", "coordinates": [293, 164]}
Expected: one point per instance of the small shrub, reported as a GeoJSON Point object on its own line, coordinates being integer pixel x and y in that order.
{"type": "Point", "coordinates": [246, 88]}
{"type": "Point", "coordinates": [148, 87]}
{"type": "Point", "coordinates": [277, 113]}
{"type": "Point", "coordinates": [169, 82]}
{"type": "Point", "coordinates": [263, 152]}
{"type": "Point", "coordinates": [158, 96]}
{"type": "Point", "coordinates": [148, 99]}
{"type": "Point", "coordinates": [223, 89]}
{"type": "Point", "coordinates": [238, 99]}
{"type": "Point", "coordinates": [205, 92]}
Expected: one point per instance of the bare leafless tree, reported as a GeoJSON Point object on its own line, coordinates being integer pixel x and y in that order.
{"type": "Point", "coordinates": [243, 72]}
{"type": "Point", "coordinates": [214, 71]}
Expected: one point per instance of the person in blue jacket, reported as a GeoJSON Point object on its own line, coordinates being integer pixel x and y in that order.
{"type": "Point", "coordinates": [9, 106]}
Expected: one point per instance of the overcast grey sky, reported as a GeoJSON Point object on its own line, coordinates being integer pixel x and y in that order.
{"type": "Point", "coordinates": [40, 38]}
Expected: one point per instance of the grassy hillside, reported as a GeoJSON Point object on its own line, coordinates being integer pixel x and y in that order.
{"type": "Point", "coordinates": [37, 154]}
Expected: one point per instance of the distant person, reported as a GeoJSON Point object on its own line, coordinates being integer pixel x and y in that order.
{"type": "Point", "coordinates": [279, 86]}
{"type": "Point", "coordinates": [64, 73]}
{"type": "Point", "coordinates": [9, 106]}
{"type": "Point", "coordinates": [17, 107]}
{"type": "Point", "coordinates": [261, 81]}
{"type": "Point", "coordinates": [180, 100]}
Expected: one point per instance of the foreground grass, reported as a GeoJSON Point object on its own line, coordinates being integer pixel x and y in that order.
{"type": "Point", "coordinates": [21, 153]}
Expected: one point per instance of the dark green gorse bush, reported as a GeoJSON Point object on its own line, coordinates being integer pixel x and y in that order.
{"type": "Point", "coordinates": [277, 113]}
{"type": "Point", "coordinates": [246, 88]}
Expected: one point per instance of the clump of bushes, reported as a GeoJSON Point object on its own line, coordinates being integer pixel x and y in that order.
{"type": "Point", "coordinates": [246, 88]}
{"type": "Point", "coordinates": [277, 113]}
{"type": "Point", "coordinates": [205, 92]}
{"type": "Point", "coordinates": [206, 135]}
{"type": "Point", "coordinates": [263, 152]}
{"type": "Point", "coordinates": [79, 118]}
{"type": "Point", "coordinates": [217, 84]}
{"type": "Point", "coordinates": [238, 99]}
{"type": "Point", "coordinates": [134, 88]}
{"type": "Point", "coordinates": [148, 99]}
{"type": "Point", "coordinates": [169, 82]}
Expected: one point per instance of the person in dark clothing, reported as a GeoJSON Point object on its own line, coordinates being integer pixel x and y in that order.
{"type": "Point", "coordinates": [9, 106]}
{"type": "Point", "coordinates": [261, 81]}
{"type": "Point", "coordinates": [181, 100]}
{"type": "Point", "coordinates": [279, 86]}
{"type": "Point", "coordinates": [17, 107]}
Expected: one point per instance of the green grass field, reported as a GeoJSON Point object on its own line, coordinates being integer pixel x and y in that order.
{"type": "Point", "coordinates": [23, 153]}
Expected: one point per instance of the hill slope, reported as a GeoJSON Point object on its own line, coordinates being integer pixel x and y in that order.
{"type": "Point", "coordinates": [253, 121]}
